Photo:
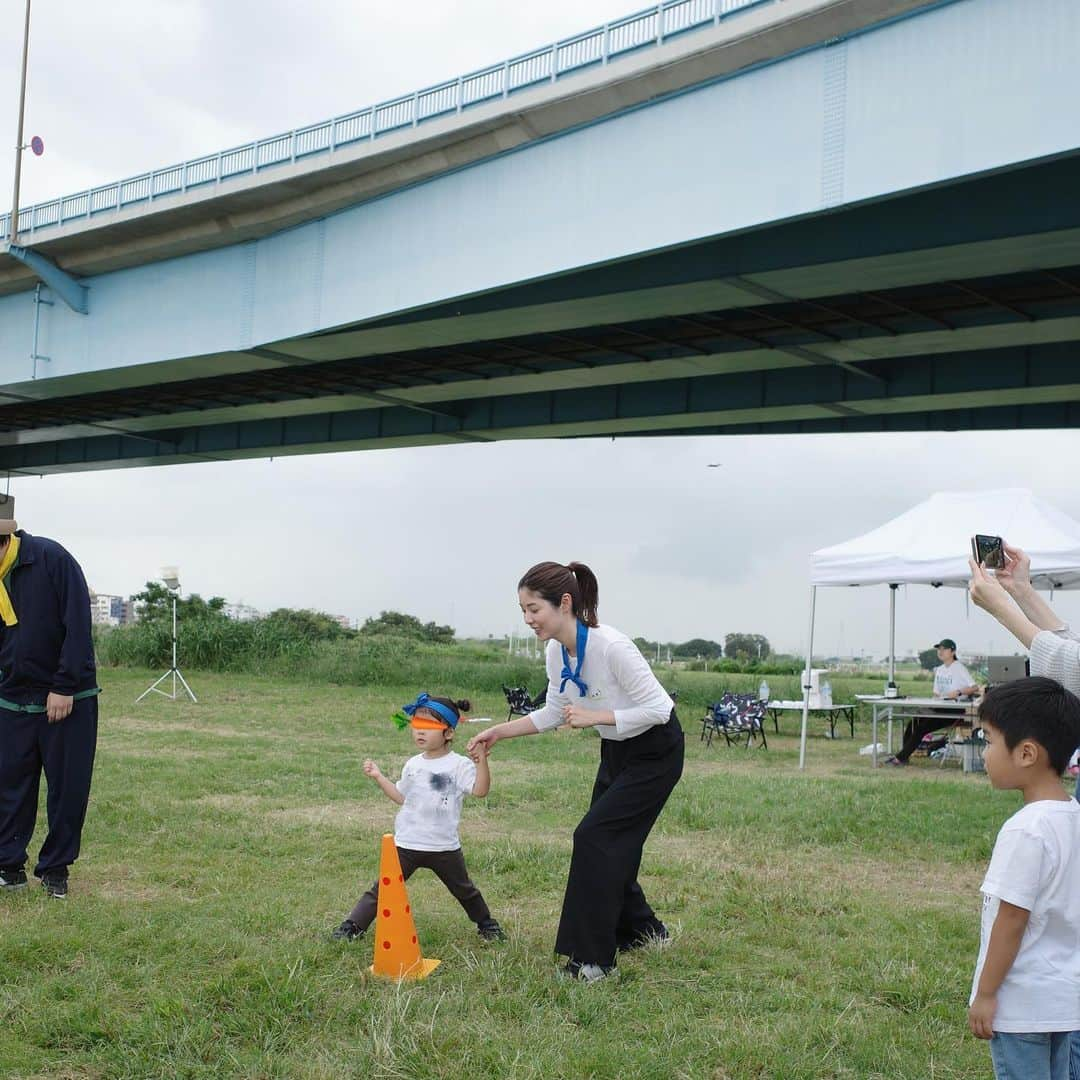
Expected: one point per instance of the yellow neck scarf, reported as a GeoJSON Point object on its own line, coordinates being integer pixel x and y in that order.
{"type": "Point", "coordinates": [11, 557]}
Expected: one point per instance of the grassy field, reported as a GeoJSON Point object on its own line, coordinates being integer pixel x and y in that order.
{"type": "Point", "coordinates": [824, 924]}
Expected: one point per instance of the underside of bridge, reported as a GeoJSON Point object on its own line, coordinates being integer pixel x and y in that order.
{"type": "Point", "coordinates": [954, 308]}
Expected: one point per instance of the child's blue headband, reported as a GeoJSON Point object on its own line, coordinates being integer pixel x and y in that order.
{"type": "Point", "coordinates": [431, 705]}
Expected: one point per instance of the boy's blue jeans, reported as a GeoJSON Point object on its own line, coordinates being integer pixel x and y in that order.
{"type": "Point", "coordinates": [1039, 1055]}
{"type": "Point", "coordinates": [1074, 1056]}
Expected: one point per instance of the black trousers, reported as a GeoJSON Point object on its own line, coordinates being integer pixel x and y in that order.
{"type": "Point", "coordinates": [917, 727]}
{"type": "Point", "coordinates": [604, 906]}
{"type": "Point", "coordinates": [448, 867]}
{"type": "Point", "coordinates": [65, 751]}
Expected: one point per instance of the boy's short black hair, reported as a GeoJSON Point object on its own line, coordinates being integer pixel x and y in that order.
{"type": "Point", "coordinates": [1036, 708]}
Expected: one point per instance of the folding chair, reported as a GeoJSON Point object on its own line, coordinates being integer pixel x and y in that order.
{"type": "Point", "coordinates": [748, 722]}
{"type": "Point", "coordinates": [519, 702]}
{"type": "Point", "coordinates": [738, 717]}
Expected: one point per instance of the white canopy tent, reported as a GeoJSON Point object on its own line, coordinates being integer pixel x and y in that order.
{"type": "Point", "coordinates": [930, 545]}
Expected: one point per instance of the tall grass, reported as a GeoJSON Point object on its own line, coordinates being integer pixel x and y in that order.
{"type": "Point", "coordinates": [265, 647]}
{"type": "Point", "coordinates": [269, 647]}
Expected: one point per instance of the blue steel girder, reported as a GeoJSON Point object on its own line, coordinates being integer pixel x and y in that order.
{"type": "Point", "coordinates": [771, 144]}
{"type": "Point", "coordinates": [70, 289]}
{"type": "Point", "coordinates": [1013, 387]}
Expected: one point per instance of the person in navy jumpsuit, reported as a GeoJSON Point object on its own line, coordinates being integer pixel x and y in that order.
{"type": "Point", "coordinates": [48, 705]}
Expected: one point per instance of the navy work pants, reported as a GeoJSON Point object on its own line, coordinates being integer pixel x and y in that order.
{"type": "Point", "coordinates": [604, 906]}
{"type": "Point", "coordinates": [65, 751]}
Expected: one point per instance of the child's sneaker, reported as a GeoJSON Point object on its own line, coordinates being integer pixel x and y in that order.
{"type": "Point", "coordinates": [12, 879]}
{"type": "Point", "coordinates": [347, 931]}
{"type": "Point", "coordinates": [490, 930]}
{"type": "Point", "coordinates": [588, 973]}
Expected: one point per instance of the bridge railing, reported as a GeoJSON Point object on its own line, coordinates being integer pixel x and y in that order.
{"type": "Point", "coordinates": [648, 28]}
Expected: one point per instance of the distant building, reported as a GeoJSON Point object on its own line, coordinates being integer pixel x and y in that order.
{"type": "Point", "coordinates": [242, 612]}
{"type": "Point", "coordinates": [106, 610]}
{"type": "Point", "coordinates": [343, 621]}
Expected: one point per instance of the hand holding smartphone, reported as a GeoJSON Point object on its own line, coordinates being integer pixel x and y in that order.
{"type": "Point", "coordinates": [988, 551]}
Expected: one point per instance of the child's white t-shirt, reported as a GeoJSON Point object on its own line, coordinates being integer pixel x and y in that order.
{"type": "Point", "coordinates": [434, 789]}
{"type": "Point", "coordinates": [1036, 866]}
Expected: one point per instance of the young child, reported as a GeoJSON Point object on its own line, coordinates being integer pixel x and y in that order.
{"type": "Point", "coordinates": [432, 787]}
{"type": "Point", "coordinates": [1025, 996]}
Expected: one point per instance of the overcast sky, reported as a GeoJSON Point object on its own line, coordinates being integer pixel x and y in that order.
{"type": "Point", "coordinates": [681, 550]}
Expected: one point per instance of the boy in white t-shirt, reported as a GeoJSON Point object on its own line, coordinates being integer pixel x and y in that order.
{"type": "Point", "coordinates": [1025, 996]}
{"type": "Point", "coordinates": [432, 787]}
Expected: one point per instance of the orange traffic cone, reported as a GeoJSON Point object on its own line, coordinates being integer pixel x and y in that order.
{"type": "Point", "coordinates": [397, 950]}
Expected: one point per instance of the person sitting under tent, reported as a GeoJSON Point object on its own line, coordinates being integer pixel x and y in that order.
{"type": "Point", "coordinates": [952, 681]}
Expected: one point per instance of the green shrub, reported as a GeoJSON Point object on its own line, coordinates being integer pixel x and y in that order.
{"type": "Point", "coordinates": [291, 649]}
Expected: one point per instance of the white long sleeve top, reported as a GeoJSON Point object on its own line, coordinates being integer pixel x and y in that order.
{"type": "Point", "coordinates": [1056, 654]}
{"type": "Point", "coordinates": [618, 678]}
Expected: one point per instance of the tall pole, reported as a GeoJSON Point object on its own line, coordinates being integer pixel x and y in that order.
{"type": "Point", "coordinates": [174, 668]}
{"type": "Point", "coordinates": [806, 679]}
{"type": "Point", "coordinates": [892, 635]}
{"type": "Point", "coordinates": [13, 233]}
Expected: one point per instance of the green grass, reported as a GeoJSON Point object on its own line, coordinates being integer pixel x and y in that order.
{"type": "Point", "coordinates": [825, 923]}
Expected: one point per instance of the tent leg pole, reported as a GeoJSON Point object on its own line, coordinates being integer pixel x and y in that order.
{"type": "Point", "coordinates": [892, 635]}
{"type": "Point", "coordinates": [806, 679]}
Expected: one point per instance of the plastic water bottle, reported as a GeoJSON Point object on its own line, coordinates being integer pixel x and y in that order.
{"type": "Point", "coordinates": [826, 694]}
{"type": "Point", "coordinates": [763, 691]}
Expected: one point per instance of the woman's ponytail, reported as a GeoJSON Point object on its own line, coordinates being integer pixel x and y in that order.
{"type": "Point", "coordinates": [589, 593]}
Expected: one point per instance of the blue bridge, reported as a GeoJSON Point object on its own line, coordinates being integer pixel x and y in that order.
{"type": "Point", "coordinates": [710, 217]}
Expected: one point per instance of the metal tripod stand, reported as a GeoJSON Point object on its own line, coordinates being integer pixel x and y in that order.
{"type": "Point", "coordinates": [174, 671]}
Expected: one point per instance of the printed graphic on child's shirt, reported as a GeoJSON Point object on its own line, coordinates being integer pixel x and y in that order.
{"type": "Point", "coordinates": [441, 784]}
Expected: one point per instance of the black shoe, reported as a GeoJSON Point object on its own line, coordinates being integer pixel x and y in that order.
{"type": "Point", "coordinates": [347, 931]}
{"type": "Point", "coordinates": [894, 761]}
{"type": "Point", "coordinates": [13, 879]}
{"type": "Point", "coordinates": [656, 934]}
{"type": "Point", "coordinates": [588, 973]}
{"type": "Point", "coordinates": [55, 886]}
{"type": "Point", "coordinates": [490, 930]}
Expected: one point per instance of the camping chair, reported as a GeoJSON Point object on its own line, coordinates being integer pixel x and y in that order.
{"type": "Point", "coordinates": [738, 717]}
{"type": "Point", "coordinates": [519, 702]}
{"type": "Point", "coordinates": [937, 743]}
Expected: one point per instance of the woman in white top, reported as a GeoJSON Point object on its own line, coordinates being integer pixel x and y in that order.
{"type": "Point", "coordinates": [598, 678]}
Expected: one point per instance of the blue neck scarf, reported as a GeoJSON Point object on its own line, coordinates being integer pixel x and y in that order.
{"type": "Point", "coordinates": [575, 675]}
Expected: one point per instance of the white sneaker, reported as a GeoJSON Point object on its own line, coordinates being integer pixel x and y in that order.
{"type": "Point", "coordinates": [588, 973]}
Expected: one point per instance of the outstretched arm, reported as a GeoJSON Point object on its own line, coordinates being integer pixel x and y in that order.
{"type": "Point", "coordinates": [1015, 578]}
{"type": "Point", "coordinates": [388, 786]}
{"type": "Point", "coordinates": [989, 594]}
{"type": "Point", "coordinates": [483, 772]}
{"type": "Point", "coordinates": [523, 725]}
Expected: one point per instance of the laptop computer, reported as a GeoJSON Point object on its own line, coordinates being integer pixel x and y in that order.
{"type": "Point", "coordinates": [1000, 669]}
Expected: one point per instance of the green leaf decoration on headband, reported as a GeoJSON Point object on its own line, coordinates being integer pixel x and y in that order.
{"type": "Point", "coordinates": [401, 721]}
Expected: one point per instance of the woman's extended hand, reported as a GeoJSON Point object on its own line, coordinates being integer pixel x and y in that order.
{"type": "Point", "coordinates": [482, 742]}
{"type": "Point", "coordinates": [1015, 575]}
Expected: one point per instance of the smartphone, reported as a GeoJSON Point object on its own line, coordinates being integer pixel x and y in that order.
{"type": "Point", "coordinates": [988, 551]}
